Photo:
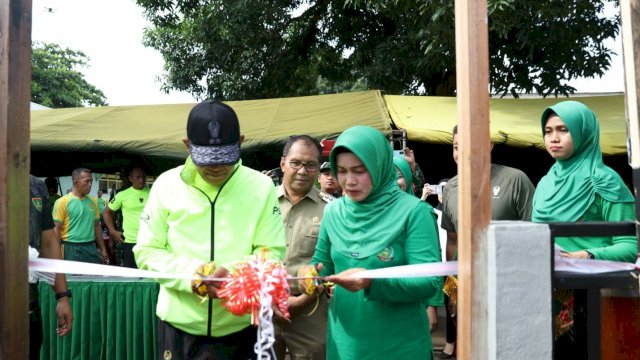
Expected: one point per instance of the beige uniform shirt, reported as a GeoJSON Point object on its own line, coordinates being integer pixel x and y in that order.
{"type": "Point", "coordinates": [302, 225]}
{"type": "Point", "coordinates": [305, 335]}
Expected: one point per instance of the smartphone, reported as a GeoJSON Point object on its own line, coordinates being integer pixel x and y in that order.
{"type": "Point", "coordinates": [435, 189]}
{"type": "Point", "coordinates": [398, 153]}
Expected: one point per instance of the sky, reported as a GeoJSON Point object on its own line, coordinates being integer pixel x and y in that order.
{"type": "Point", "coordinates": [110, 34]}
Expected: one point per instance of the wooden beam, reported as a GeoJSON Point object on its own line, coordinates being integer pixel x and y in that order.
{"type": "Point", "coordinates": [15, 93]}
{"type": "Point", "coordinates": [474, 178]}
{"type": "Point", "coordinates": [630, 16]}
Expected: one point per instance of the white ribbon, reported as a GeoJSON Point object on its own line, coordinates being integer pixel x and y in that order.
{"type": "Point", "coordinates": [567, 265]}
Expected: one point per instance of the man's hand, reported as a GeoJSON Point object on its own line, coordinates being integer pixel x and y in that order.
{"type": "Point", "coordinates": [278, 316]}
{"type": "Point", "coordinates": [348, 282]}
{"type": "Point", "coordinates": [214, 286]}
{"type": "Point", "coordinates": [104, 255]}
{"type": "Point", "coordinates": [297, 303]}
{"type": "Point", "coordinates": [432, 313]}
{"type": "Point", "coordinates": [411, 159]}
{"type": "Point", "coordinates": [117, 236]}
{"type": "Point", "coordinates": [64, 315]}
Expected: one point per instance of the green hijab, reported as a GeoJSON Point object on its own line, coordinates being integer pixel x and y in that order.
{"type": "Point", "coordinates": [405, 169]}
{"type": "Point", "coordinates": [362, 229]}
{"type": "Point", "coordinates": [571, 185]}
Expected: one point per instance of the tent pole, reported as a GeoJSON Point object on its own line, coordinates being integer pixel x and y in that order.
{"type": "Point", "coordinates": [15, 93]}
{"type": "Point", "coordinates": [472, 71]}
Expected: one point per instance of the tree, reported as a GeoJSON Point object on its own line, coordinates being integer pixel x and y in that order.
{"type": "Point", "coordinates": [56, 81]}
{"type": "Point", "coordinates": [246, 49]}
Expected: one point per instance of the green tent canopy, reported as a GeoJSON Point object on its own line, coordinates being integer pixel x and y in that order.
{"type": "Point", "coordinates": [108, 138]}
{"type": "Point", "coordinates": [514, 122]}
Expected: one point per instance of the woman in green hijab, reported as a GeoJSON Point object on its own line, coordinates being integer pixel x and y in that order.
{"type": "Point", "coordinates": [405, 180]}
{"type": "Point", "coordinates": [375, 225]}
{"type": "Point", "coordinates": [404, 174]}
{"type": "Point", "coordinates": [580, 187]}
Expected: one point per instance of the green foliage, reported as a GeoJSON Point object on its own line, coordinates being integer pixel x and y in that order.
{"type": "Point", "coordinates": [247, 49]}
{"type": "Point", "coordinates": [55, 80]}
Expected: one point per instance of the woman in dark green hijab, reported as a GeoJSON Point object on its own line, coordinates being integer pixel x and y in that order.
{"type": "Point", "coordinates": [375, 225]}
{"type": "Point", "coordinates": [580, 187]}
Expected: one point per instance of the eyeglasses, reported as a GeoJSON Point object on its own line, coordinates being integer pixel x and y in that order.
{"type": "Point", "coordinates": [297, 165]}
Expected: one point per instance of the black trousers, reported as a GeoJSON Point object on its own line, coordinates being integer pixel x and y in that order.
{"type": "Point", "coordinates": [175, 344]}
{"type": "Point", "coordinates": [451, 323]}
{"type": "Point", "coordinates": [35, 333]}
{"type": "Point", "coordinates": [128, 259]}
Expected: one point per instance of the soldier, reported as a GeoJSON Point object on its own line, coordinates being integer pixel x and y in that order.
{"type": "Point", "coordinates": [77, 220]}
{"type": "Point", "coordinates": [302, 206]}
{"type": "Point", "coordinates": [131, 202]}
{"type": "Point", "coordinates": [328, 183]}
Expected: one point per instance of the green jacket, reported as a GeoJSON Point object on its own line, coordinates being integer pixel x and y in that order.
{"type": "Point", "coordinates": [188, 222]}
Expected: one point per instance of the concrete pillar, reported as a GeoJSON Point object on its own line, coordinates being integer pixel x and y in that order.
{"type": "Point", "coordinates": [519, 291]}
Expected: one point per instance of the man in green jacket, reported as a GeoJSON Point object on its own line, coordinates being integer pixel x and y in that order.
{"type": "Point", "coordinates": [210, 208]}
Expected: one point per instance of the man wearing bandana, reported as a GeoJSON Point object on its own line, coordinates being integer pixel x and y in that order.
{"type": "Point", "coordinates": [212, 208]}
{"type": "Point", "coordinates": [131, 201]}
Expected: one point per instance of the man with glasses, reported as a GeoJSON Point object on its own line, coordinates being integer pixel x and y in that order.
{"type": "Point", "coordinates": [302, 207]}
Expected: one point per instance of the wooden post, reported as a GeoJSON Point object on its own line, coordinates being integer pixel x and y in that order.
{"type": "Point", "coordinates": [474, 177]}
{"type": "Point", "coordinates": [620, 319]}
{"type": "Point", "coordinates": [15, 93]}
{"type": "Point", "coordinates": [630, 17]}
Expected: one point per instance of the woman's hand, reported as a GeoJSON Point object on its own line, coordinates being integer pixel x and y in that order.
{"type": "Point", "coordinates": [411, 159]}
{"type": "Point", "coordinates": [582, 254]}
{"type": "Point", "coordinates": [349, 282]}
{"type": "Point", "coordinates": [426, 191]}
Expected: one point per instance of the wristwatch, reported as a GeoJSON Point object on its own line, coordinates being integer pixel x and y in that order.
{"type": "Point", "coordinates": [60, 295]}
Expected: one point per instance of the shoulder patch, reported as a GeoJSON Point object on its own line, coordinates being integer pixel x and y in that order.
{"type": "Point", "coordinates": [326, 197]}
{"type": "Point", "coordinates": [37, 202]}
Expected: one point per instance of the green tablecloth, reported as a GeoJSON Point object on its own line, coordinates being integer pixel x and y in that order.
{"type": "Point", "coordinates": [113, 319]}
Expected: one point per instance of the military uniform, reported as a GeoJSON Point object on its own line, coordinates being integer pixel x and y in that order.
{"type": "Point", "coordinates": [305, 336]}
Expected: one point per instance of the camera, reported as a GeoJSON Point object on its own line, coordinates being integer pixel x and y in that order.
{"type": "Point", "coordinates": [275, 174]}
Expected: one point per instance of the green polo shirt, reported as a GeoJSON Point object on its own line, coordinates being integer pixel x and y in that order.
{"type": "Point", "coordinates": [132, 202]}
{"type": "Point", "coordinates": [78, 216]}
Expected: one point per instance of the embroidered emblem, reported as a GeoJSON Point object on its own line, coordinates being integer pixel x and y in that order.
{"type": "Point", "coordinates": [496, 190]}
{"type": "Point", "coordinates": [355, 254]}
{"type": "Point", "coordinates": [386, 254]}
{"type": "Point", "coordinates": [316, 220]}
{"type": "Point", "coordinates": [326, 197]}
{"type": "Point", "coordinates": [167, 355]}
{"type": "Point", "coordinates": [37, 202]}
{"type": "Point", "coordinates": [214, 130]}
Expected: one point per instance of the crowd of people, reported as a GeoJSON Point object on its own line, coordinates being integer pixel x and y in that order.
{"type": "Point", "coordinates": [369, 211]}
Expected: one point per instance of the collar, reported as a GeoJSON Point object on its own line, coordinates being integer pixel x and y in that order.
{"type": "Point", "coordinates": [313, 194]}
{"type": "Point", "coordinates": [189, 173]}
